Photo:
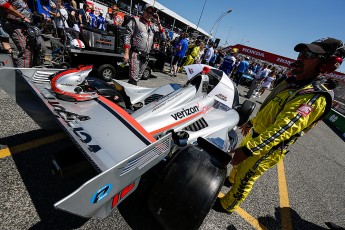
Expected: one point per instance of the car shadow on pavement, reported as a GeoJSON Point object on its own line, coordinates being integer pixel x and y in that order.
{"type": "Point", "coordinates": [45, 189]}
{"type": "Point", "coordinates": [296, 221]}
{"type": "Point", "coordinates": [134, 209]}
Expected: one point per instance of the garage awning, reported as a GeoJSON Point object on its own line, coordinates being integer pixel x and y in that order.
{"type": "Point", "coordinates": [171, 13]}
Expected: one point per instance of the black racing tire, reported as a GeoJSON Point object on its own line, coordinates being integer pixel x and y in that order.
{"type": "Point", "coordinates": [187, 189]}
{"type": "Point", "coordinates": [146, 74]}
{"type": "Point", "coordinates": [245, 111]}
{"type": "Point", "coordinates": [106, 72]}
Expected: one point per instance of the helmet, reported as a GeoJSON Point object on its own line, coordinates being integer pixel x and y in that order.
{"type": "Point", "coordinates": [234, 50]}
{"type": "Point", "coordinates": [70, 84]}
{"type": "Point", "coordinates": [77, 43]}
{"type": "Point", "coordinates": [33, 32]}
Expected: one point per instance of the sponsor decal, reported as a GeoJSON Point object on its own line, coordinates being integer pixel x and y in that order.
{"type": "Point", "coordinates": [281, 60]}
{"type": "Point", "coordinates": [67, 84]}
{"type": "Point", "coordinates": [244, 182]}
{"type": "Point", "coordinates": [304, 110]}
{"type": "Point", "coordinates": [79, 131]}
{"type": "Point", "coordinates": [221, 96]}
{"type": "Point", "coordinates": [103, 41]}
{"type": "Point", "coordinates": [121, 195]}
{"type": "Point", "coordinates": [257, 53]}
{"type": "Point", "coordinates": [101, 193]}
{"type": "Point", "coordinates": [186, 112]}
{"type": "Point", "coordinates": [333, 118]}
{"type": "Point", "coordinates": [190, 70]}
{"type": "Point", "coordinates": [336, 76]}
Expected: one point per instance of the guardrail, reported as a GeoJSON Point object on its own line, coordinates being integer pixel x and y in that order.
{"type": "Point", "coordinates": [337, 120]}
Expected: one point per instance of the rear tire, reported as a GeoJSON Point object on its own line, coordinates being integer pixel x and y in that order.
{"type": "Point", "coordinates": [188, 188]}
{"type": "Point", "coordinates": [106, 72]}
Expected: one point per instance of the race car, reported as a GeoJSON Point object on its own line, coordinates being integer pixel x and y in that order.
{"type": "Point", "coordinates": [125, 130]}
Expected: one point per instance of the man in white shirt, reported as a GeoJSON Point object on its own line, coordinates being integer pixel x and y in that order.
{"type": "Point", "coordinates": [209, 53]}
{"type": "Point", "coordinates": [258, 78]}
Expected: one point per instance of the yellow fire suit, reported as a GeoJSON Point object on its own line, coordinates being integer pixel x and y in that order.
{"type": "Point", "coordinates": [192, 55]}
{"type": "Point", "coordinates": [287, 111]}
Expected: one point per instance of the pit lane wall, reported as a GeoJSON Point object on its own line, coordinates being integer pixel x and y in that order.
{"type": "Point", "coordinates": [336, 120]}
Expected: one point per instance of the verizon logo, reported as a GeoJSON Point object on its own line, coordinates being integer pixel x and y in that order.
{"type": "Point", "coordinates": [185, 112]}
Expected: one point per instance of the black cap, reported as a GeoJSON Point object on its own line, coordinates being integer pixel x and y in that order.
{"type": "Point", "coordinates": [324, 46]}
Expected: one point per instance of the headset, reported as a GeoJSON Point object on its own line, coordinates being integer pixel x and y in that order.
{"type": "Point", "coordinates": [334, 61]}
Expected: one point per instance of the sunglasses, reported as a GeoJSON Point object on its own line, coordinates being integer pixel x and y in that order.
{"type": "Point", "coordinates": [150, 12]}
{"type": "Point", "coordinates": [308, 54]}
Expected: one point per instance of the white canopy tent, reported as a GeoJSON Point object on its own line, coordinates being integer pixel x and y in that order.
{"type": "Point", "coordinates": [171, 13]}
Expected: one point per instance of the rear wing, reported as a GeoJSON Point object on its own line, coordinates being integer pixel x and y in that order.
{"type": "Point", "coordinates": [98, 196]}
{"type": "Point", "coordinates": [119, 148]}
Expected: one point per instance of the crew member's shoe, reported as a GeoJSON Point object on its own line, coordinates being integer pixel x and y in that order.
{"type": "Point", "coordinates": [227, 183]}
{"type": "Point", "coordinates": [219, 208]}
{"type": "Point", "coordinates": [132, 81]}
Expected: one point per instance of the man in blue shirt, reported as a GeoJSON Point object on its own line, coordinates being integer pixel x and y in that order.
{"type": "Point", "coordinates": [179, 55]}
{"type": "Point", "coordinates": [242, 68]}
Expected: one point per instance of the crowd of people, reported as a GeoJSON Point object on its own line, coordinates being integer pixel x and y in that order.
{"type": "Point", "coordinates": [294, 106]}
{"type": "Point", "coordinates": [65, 18]}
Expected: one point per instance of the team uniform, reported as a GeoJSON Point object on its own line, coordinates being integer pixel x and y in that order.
{"type": "Point", "coordinates": [139, 39]}
{"type": "Point", "coordinates": [18, 31]}
{"type": "Point", "coordinates": [290, 109]}
{"type": "Point", "coordinates": [228, 64]}
{"type": "Point", "coordinates": [101, 23]}
{"type": "Point", "coordinates": [192, 54]}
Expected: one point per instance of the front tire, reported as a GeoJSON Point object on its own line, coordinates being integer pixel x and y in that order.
{"type": "Point", "coordinates": [106, 72]}
{"type": "Point", "coordinates": [188, 188]}
{"type": "Point", "coordinates": [245, 111]}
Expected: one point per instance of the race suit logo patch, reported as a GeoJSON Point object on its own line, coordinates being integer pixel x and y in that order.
{"type": "Point", "coordinates": [185, 112]}
{"type": "Point", "coordinates": [304, 110]}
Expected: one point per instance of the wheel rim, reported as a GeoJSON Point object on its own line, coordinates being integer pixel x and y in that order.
{"type": "Point", "coordinates": [107, 73]}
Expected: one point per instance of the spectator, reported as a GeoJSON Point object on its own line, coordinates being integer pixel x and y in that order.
{"type": "Point", "coordinates": [101, 22]}
{"type": "Point", "coordinates": [180, 53]}
{"type": "Point", "coordinates": [213, 58]}
{"type": "Point", "coordinates": [257, 80]}
{"type": "Point", "coordinates": [74, 4]}
{"type": "Point", "coordinates": [241, 69]}
{"type": "Point", "coordinates": [209, 53]}
{"type": "Point", "coordinates": [192, 53]}
{"type": "Point", "coordinates": [266, 83]}
{"type": "Point", "coordinates": [84, 17]}
{"type": "Point", "coordinates": [138, 41]}
{"type": "Point", "coordinates": [228, 62]}
{"type": "Point", "coordinates": [201, 53]}
{"type": "Point", "coordinates": [18, 12]}
{"type": "Point", "coordinates": [114, 16]}
{"type": "Point", "coordinates": [4, 37]}
{"type": "Point", "coordinates": [93, 17]}
{"type": "Point", "coordinates": [219, 57]}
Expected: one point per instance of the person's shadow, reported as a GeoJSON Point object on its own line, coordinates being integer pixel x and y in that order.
{"type": "Point", "coordinates": [297, 222]}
